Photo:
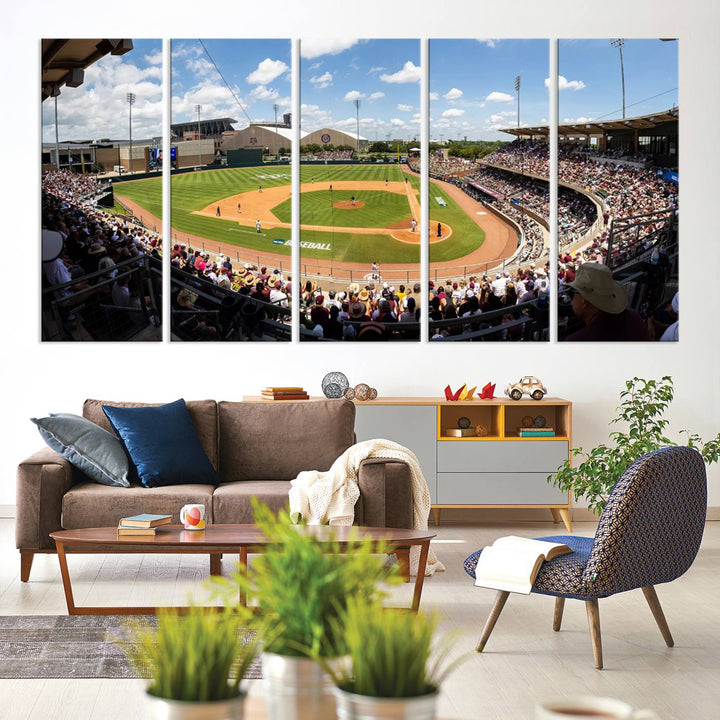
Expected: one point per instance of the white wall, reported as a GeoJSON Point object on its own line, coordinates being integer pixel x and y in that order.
{"type": "Point", "coordinates": [41, 378]}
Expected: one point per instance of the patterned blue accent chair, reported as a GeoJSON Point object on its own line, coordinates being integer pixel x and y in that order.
{"type": "Point", "coordinates": [649, 533]}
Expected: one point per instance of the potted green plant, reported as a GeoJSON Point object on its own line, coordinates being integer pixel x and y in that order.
{"type": "Point", "coordinates": [301, 586]}
{"type": "Point", "coordinates": [395, 669]}
{"type": "Point", "coordinates": [195, 659]}
{"type": "Point", "coordinates": [642, 407]}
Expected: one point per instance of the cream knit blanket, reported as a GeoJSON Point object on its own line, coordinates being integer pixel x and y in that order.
{"type": "Point", "coordinates": [329, 497]}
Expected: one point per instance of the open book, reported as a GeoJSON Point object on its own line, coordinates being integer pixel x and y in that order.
{"type": "Point", "coordinates": [512, 563]}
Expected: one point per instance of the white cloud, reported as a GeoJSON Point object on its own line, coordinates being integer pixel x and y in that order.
{"type": "Point", "coordinates": [577, 121]}
{"type": "Point", "coordinates": [434, 96]}
{"type": "Point", "coordinates": [565, 84]}
{"type": "Point", "coordinates": [453, 112]}
{"type": "Point", "coordinates": [397, 122]}
{"type": "Point", "coordinates": [375, 70]}
{"type": "Point", "coordinates": [499, 97]}
{"type": "Point", "coordinates": [315, 47]}
{"type": "Point", "coordinates": [352, 95]}
{"type": "Point", "coordinates": [316, 65]}
{"type": "Point", "coordinates": [322, 81]}
{"type": "Point", "coordinates": [410, 73]}
{"type": "Point", "coordinates": [267, 71]}
{"type": "Point", "coordinates": [376, 96]}
{"type": "Point", "coordinates": [490, 42]}
{"type": "Point", "coordinates": [264, 93]}
{"type": "Point", "coordinates": [154, 58]}
{"type": "Point", "coordinates": [453, 94]}
{"type": "Point", "coordinates": [500, 117]}
{"type": "Point", "coordinates": [405, 108]}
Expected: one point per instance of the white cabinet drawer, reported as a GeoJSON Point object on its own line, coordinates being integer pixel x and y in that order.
{"type": "Point", "coordinates": [509, 456]}
{"type": "Point", "coordinates": [510, 488]}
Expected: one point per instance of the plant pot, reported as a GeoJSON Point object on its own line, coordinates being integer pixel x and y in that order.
{"type": "Point", "coordinates": [296, 688]}
{"type": "Point", "coordinates": [162, 709]}
{"type": "Point", "coordinates": [363, 707]}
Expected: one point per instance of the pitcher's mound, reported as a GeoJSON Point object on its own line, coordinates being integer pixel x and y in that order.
{"type": "Point", "coordinates": [347, 205]}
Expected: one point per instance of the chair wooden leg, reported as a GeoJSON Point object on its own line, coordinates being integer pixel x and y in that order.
{"type": "Point", "coordinates": [593, 615]}
{"type": "Point", "coordinates": [216, 563]}
{"type": "Point", "coordinates": [654, 603]}
{"type": "Point", "coordinates": [500, 600]}
{"type": "Point", "coordinates": [557, 615]}
{"type": "Point", "coordinates": [26, 561]}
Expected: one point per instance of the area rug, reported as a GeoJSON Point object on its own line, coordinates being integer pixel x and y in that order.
{"type": "Point", "coordinates": [68, 647]}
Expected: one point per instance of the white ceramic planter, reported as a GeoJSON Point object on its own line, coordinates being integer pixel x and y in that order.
{"type": "Point", "coordinates": [296, 689]}
{"type": "Point", "coordinates": [363, 707]}
{"type": "Point", "coordinates": [161, 709]}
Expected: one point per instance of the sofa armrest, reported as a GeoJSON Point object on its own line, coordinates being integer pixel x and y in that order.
{"type": "Point", "coordinates": [385, 493]}
{"type": "Point", "coordinates": [42, 480]}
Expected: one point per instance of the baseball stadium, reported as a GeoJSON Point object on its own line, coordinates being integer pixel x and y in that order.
{"type": "Point", "coordinates": [360, 228]}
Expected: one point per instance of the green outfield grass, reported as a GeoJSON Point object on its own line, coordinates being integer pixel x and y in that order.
{"type": "Point", "coordinates": [194, 191]}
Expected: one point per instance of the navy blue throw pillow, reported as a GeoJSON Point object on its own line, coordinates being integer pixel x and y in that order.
{"type": "Point", "coordinates": [163, 444]}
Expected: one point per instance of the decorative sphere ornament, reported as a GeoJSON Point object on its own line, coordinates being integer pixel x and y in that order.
{"type": "Point", "coordinates": [337, 379]}
{"type": "Point", "coordinates": [481, 430]}
{"type": "Point", "coordinates": [373, 394]}
{"type": "Point", "coordinates": [362, 391]}
{"type": "Point", "coordinates": [349, 393]}
{"type": "Point", "coordinates": [463, 422]}
{"type": "Point", "coordinates": [539, 421]}
{"type": "Point", "coordinates": [527, 421]}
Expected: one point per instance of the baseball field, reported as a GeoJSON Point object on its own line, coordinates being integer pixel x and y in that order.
{"type": "Point", "coordinates": [348, 213]}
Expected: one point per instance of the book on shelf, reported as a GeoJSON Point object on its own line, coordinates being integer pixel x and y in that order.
{"type": "Point", "coordinates": [536, 429]}
{"type": "Point", "coordinates": [512, 563]}
{"type": "Point", "coordinates": [299, 396]}
{"type": "Point", "coordinates": [460, 432]}
{"type": "Point", "coordinates": [129, 530]}
{"type": "Point", "coordinates": [145, 520]}
{"type": "Point", "coordinates": [284, 390]}
{"type": "Point", "coordinates": [524, 432]}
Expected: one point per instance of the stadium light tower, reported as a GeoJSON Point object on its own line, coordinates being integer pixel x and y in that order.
{"type": "Point", "coordinates": [357, 116]}
{"type": "Point", "coordinates": [618, 43]}
{"type": "Point", "coordinates": [198, 108]}
{"type": "Point", "coordinates": [517, 90]}
{"type": "Point", "coordinates": [131, 101]}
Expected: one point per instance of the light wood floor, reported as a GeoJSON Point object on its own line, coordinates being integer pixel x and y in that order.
{"type": "Point", "coordinates": [524, 659]}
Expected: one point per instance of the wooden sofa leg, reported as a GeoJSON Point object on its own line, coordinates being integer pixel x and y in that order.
{"type": "Point", "coordinates": [216, 563]}
{"type": "Point", "coordinates": [593, 615]}
{"type": "Point", "coordinates": [557, 615]}
{"type": "Point", "coordinates": [26, 561]}
{"type": "Point", "coordinates": [654, 603]}
{"type": "Point", "coordinates": [500, 600]}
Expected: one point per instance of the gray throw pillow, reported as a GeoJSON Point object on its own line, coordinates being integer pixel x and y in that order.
{"type": "Point", "coordinates": [98, 453]}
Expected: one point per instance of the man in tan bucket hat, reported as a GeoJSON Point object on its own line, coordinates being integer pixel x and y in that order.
{"type": "Point", "coordinates": [602, 305]}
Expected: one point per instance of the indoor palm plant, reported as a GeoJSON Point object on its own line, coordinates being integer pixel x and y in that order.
{"type": "Point", "coordinates": [395, 668]}
{"type": "Point", "coordinates": [642, 406]}
{"type": "Point", "coordinates": [302, 586]}
{"type": "Point", "coordinates": [195, 659]}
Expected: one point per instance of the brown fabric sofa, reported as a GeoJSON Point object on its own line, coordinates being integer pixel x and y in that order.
{"type": "Point", "coordinates": [256, 448]}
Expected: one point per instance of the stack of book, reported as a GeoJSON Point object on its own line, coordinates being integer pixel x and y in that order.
{"type": "Point", "coordinates": [460, 432]}
{"type": "Point", "coordinates": [143, 524]}
{"type": "Point", "coordinates": [285, 393]}
{"type": "Point", "coordinates": [536, 432]}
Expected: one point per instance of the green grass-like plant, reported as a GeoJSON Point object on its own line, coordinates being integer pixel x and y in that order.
{"type": "Point", "coordinates": [642, 407]}
{"type": "Point", "coordinates": [200, 655]}
{"type": "Point", "coordinates": [302, 585]}
{"type": "Point", "coordinates": [392, 653]}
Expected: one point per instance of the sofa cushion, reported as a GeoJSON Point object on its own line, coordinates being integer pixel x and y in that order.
{"type": "Point", "coordinates": [232, 502]}
{"type": "Point", "coordinates": [95, 451]}
{"type": "Point", "coordinates": [162, 443]}
{"type": "Point", "coordinates": [280, 439]}
{"type": "Point", "coordinates": [202, 412]}
{"type": "Point", "coordinates": [91, 505]}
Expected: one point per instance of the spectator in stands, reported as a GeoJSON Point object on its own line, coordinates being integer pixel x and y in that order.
{"type": "Point", "coordinates": [602, 305]}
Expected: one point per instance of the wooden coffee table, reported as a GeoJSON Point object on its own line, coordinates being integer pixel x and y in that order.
{"type": "Point", "coordinates": [214, 541]}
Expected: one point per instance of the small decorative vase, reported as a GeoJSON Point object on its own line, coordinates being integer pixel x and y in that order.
{"type": "Point", "coordinates": [363, 707]}
{"type": "Point", "coordinates": [296, 688]}
{"type": "Point", "coordinates": [162, 709]}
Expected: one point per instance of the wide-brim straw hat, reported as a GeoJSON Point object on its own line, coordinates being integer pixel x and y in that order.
{"type": "Point", "coordinates": [597, 285]}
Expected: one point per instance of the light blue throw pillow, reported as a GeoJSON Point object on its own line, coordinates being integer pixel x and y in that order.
{"type": "Point", "coordinates": [162, 442]}
{"type": "Point", "coordinates": [98, 453]}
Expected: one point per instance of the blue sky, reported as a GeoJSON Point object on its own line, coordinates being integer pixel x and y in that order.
{"type": "Point", "coordinates": [472, 87]}
{"type": "Point", "coordinates": [257, 72]}
{"type": "Point", "coordinates": [99, 108]}
{"type": "Point", "coordinates": [592, 87]}
{"type": "Point", "coordinates": [383, 74]}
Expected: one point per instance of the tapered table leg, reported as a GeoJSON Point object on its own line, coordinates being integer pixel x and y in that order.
{"type": "Point", "coordinates": [558, 614]}
{"type": "Point", "coordinates": [593, 614]}
{"type": "Point", "coordinates": [654, 603]}
{"type": "Point", "coordinates": [500, 600]}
